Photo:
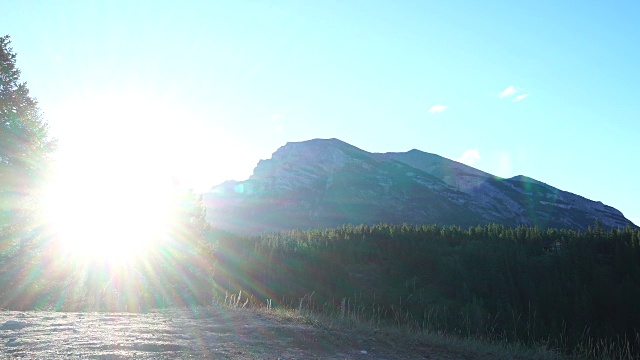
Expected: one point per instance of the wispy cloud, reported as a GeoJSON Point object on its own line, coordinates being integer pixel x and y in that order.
{"type": "Point", "coordinates": [438, 108]}
{"type": "Point", "coordinates": [520, 97]}
{"type": "Point", "coordinates": [469, 157]}
{"type": "Point", "coordinates": [509, 91]}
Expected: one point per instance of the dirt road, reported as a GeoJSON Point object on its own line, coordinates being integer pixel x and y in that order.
{"type": "Point", "coordinates": [211, 333]}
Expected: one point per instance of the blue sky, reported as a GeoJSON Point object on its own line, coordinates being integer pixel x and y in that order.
{"type": "Point", "coordinates": [203, 90]}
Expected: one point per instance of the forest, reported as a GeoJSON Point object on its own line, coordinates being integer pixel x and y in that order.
{"type": "Point", "coordinates": [556, 287]}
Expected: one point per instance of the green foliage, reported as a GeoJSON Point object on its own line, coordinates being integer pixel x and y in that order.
{"type": "Point", "coordinates": [24, 146]}
{"type": "Point", "coordinates": [489, 281]}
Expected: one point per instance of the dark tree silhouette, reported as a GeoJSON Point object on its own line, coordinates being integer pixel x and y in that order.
{"type": "Point", "coordinates": [24, 147]}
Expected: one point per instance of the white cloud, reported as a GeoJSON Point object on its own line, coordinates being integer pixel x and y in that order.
{"type": "Point", "coordinates": [520, 97]}
{"type": "Point", "coordinates": [469, 157]}
{"type": "Point", "coordinates": [438, 108]}
{"type": "Point", "coordinates": [509, 91]}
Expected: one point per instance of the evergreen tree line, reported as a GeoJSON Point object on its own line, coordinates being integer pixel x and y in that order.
{"type": "Point", "coordinates": [523, 283]}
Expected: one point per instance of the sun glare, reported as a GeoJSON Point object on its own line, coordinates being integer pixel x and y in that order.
{"type": "Point", "coordinates": [107, 214]}
{"type": "Point", "coordinates": [111, 186]}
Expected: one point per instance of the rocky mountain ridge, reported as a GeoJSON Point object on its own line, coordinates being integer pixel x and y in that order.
{"type": "Point", "coordinates": [328, 183]}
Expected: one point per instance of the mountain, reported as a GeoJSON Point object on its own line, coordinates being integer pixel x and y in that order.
{"type": "Point", "coordinates": [328, 183]}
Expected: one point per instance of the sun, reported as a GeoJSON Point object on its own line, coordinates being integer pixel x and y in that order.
{"type": "Point", "coordinates": [111, 187]}
{"type": "Point", "coordinates": [108, 211]}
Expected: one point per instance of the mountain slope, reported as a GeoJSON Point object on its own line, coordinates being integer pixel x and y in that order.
{"type": "Point", "coordinates": [327, 183]}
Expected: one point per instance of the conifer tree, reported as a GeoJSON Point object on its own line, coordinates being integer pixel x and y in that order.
{"type": "Point", "coordinates": [24, 147]}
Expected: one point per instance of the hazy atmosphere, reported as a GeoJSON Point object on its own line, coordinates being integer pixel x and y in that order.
{"type": "Point", "coordinates": [203, 90]}
{"type": "Point", "coordinates": [340, 180]}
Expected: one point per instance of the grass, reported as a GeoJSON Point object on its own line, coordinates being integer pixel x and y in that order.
{"type": "Point", "coordinates": [396, 333]}
{"type": "Point", "coordinates": [395, 329]}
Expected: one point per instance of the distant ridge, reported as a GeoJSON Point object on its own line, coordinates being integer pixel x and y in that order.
{"type": "Point", "coordinates": [328, 183]}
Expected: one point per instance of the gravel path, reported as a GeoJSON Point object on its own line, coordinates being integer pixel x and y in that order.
{"type": "Point", "coordinates": [211, 333]}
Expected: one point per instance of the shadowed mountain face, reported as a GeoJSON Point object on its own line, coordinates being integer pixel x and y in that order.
{"type": "Point", "coordinates": [328, 183]}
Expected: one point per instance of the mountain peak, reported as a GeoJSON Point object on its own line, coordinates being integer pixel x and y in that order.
{"type": "Point", "coordinates": [328, 183]}
{"type": "Point", "coordinates": [320, 143]}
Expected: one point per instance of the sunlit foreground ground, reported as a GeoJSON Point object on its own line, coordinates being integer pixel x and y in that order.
{"type": "Point", "coordinates": [196, 332]}
{"type": "Point", "coordinates": [218, 332]}
{"type": "Point", "coordinates": [221, 332]}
